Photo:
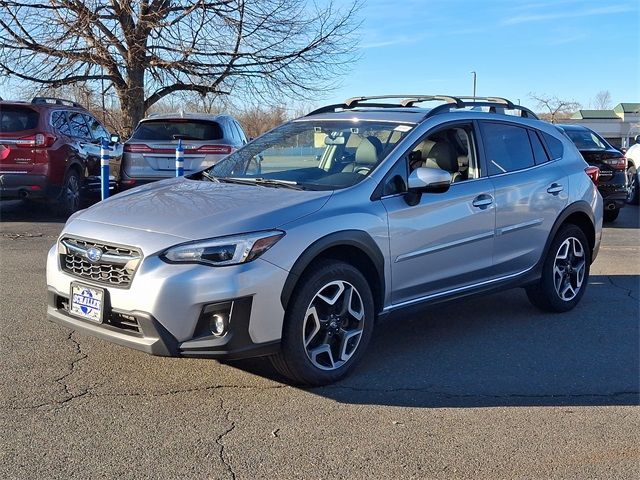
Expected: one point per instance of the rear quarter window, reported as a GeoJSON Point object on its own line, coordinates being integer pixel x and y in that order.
{"type": "Point", "coordinates": [553, 145]}
{"type": "Point", "coordinates": [167, 130]}
{"type": "Point", "coordinates": [17, 118]}
{"type": "Point", "coordinates": [539, 153]}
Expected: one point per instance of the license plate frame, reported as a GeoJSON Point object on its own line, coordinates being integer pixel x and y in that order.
{"type": "Point", "coordinates": [87, 302]}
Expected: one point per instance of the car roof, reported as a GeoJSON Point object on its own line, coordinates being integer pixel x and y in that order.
{"type": "Point", "coordinates": [40, 106]}
{"type": "Point", "coordinates": [185, 115]}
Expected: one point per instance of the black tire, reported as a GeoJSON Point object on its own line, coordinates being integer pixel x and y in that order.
{"type": "Point", "coordinates": [633, 197]}
{"type": "Point", "coordinates": [293, 361]}
{"type": "Point", "coordinates": [70, 197]}
{"type": "Point", "coordinates": [611, 215]}
{"type": "Point", "coordinates": [544, 294]}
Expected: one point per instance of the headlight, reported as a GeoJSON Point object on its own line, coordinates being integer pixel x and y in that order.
{"type": "Point", "coordinates": [224, 251]}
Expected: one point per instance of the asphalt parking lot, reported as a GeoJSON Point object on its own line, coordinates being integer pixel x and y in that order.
{"type": "Point", "coordinates": [486, 387]}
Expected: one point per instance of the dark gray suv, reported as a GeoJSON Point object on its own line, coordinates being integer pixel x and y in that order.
{"type": "Point", "coordinates": [294, 245]}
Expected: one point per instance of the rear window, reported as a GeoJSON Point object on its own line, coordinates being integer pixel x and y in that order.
{"type": "Point", "coordinates": [178, 129]}
{"type": "Point", "coordinates": [16, 118]}
{"type": "Point", "coordinates": [585, 140]}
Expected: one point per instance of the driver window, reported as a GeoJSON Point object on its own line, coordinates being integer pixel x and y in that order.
{"type": "Point", "coordinates": [451, 150]}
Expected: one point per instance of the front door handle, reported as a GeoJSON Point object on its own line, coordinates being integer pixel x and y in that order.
{"type": "Point", "coordinates": [555, 188]}
{"type": "Point", "coordinates": [482, 201]}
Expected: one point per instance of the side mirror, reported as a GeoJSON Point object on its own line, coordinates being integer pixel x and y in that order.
{"type": "Point", "coordinates": [431, 180]}
{"type": "Point", "coordinates": [637, 138]}
{"type": "Point", "coordinates": [115, 138]}
{"type": "Point", "coordinates": [426, 180]}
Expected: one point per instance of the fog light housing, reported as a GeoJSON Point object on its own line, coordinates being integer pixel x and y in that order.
{"type": "Point", "coordinates": [214, 320]}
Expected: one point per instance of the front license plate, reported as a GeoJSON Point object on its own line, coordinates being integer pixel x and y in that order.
{"type": "Point", "coordinates": [87, 302]}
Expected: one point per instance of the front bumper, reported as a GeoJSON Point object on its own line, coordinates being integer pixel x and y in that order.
{"type": "Point", "coordinates": [162, 308]}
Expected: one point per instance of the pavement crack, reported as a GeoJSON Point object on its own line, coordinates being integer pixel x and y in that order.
{"type": "Point", "coordinates": [220, 443]}
{"type": "Point", "coordinates": [70, 395]}
{"type": "Point", "coordinates": [629, 291]}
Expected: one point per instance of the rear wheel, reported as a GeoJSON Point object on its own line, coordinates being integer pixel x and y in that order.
{"type": "Point", "coordinates": [327, 325]}
{"type": "Point", "coordinates": [611, 215]}
{"type": "Point", "coordinates": [632, 180]}
{"type": "Point", "coordinates": [565, 272]}
{"type": "Point", "coordinates": [70, 196]}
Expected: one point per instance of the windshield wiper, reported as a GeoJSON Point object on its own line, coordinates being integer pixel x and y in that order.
{"type": "Point", "coordinates": [267, 182]}
{"type": "Point", "coordinates": [210, 177]}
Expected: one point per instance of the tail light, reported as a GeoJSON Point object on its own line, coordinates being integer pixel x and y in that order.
{"type": "Point", "coordinates": [137, 148]}
{"type": "Point", "coordinates": [39, 140]}
{"type": "Point", "coordinates": [216, 149]}
{"type": "Point", "coordinates": [619, 163]}
{"type": "Point", "coordinates": [593, 173]}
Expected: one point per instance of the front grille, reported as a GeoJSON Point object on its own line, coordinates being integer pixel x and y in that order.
{"type": "Point", "coordinates": [115, 267]}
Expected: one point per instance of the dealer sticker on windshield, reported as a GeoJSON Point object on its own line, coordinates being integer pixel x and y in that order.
{"type": "Point", "coordinates": [86, 302]}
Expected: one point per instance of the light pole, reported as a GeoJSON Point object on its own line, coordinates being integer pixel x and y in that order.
{"type": "Point", "coordinates": [474, 84]}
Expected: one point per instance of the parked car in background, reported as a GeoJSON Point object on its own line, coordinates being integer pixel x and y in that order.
{"type": "Point", "coordinates": [150, 152]}
{"type": "Point", "coordinates": [293, 246]}
{"type": "Point", "coordinates": [612, 182]}
{"type": "Point", "coordinates": [50, 150]}
{"type": "Point", "coordinates": [633, 172]}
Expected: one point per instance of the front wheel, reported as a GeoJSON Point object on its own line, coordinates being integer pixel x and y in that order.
{"type": "Point", "coordinates": [565, 272]}
{"type": "Point", "coordinates": [328, 325]}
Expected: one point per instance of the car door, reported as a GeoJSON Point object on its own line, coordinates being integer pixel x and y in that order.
{"type": "Point", "coordinates": [530, 193]}
{"type": "Point", "coordinates": [445, 241]}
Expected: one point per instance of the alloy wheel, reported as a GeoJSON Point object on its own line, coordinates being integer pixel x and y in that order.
{"type": "Point", "coordinates": [333, 325]}
{"type": "Point", "coordinates": [632, 182]}
{"type": "Point", "coordinates": [569, 269]}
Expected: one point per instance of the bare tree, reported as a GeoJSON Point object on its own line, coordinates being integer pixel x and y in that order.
{"type": "Point", "coordinates": [602, 100]}
{"type": "Point", "coordinates": [148, 49]}
{"type": "Point", "coordinates": [557, 108]}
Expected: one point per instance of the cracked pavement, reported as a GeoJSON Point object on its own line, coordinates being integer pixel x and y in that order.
{"type": "Point", "coordinates": [485, 387]}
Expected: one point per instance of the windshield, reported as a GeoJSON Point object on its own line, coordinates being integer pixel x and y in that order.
{"type": "Point", "coordinates": [322, 155]}
{"type": "Point", "coordinates": [586, 140]}
{"type": "Point", "coordinates": [178, 128]}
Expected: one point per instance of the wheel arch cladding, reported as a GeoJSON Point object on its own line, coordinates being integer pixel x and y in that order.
{"type": "Point", "coordinates": [578, 214]}
{"type": "Point", "coordinates": [350, 246]}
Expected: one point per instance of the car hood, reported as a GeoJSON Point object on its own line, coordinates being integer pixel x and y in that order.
{"type": "Point", "coordinates": [194, 209]}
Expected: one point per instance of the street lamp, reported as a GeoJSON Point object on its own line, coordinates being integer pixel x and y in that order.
{"type": "Point", "coordinates": [474, 84]}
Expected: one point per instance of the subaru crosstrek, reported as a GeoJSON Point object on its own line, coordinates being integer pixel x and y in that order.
{"type": "Point", "coordinates": [294, 245]}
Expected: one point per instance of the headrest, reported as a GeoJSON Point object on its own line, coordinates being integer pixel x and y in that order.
{"type": "Point", "coordinates": [366, 153]}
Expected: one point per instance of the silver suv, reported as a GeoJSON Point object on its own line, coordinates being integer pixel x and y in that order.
{"type": "Point", "coordinates": [150, 153]}
{"type": "Point", "coordinates": [293, 246]}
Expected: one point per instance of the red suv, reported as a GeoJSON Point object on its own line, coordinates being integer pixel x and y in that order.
{"type": "Point", "coordinates": [50, 150]}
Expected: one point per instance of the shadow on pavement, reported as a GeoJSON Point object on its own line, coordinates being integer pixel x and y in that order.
{"type": "Point", "coordinates": [24, 211]}
{"type": "Point", "coordinates": [498, 350]}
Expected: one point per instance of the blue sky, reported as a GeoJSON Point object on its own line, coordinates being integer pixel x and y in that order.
{"type": "Point", "coordinates": [571, 49]}
{"type": "Point", "coordinates": [568, 48]}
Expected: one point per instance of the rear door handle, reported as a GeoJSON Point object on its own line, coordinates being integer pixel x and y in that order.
{"type": "Point", "coordinates": [482, 201]}
{"type": "Point", "coordinates": [555, 188]}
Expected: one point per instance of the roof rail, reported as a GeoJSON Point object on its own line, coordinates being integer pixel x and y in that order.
{"type": "Point", "coordinates": [56, 101]}
{"type": "Point", "coordinates": [450, 102]}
